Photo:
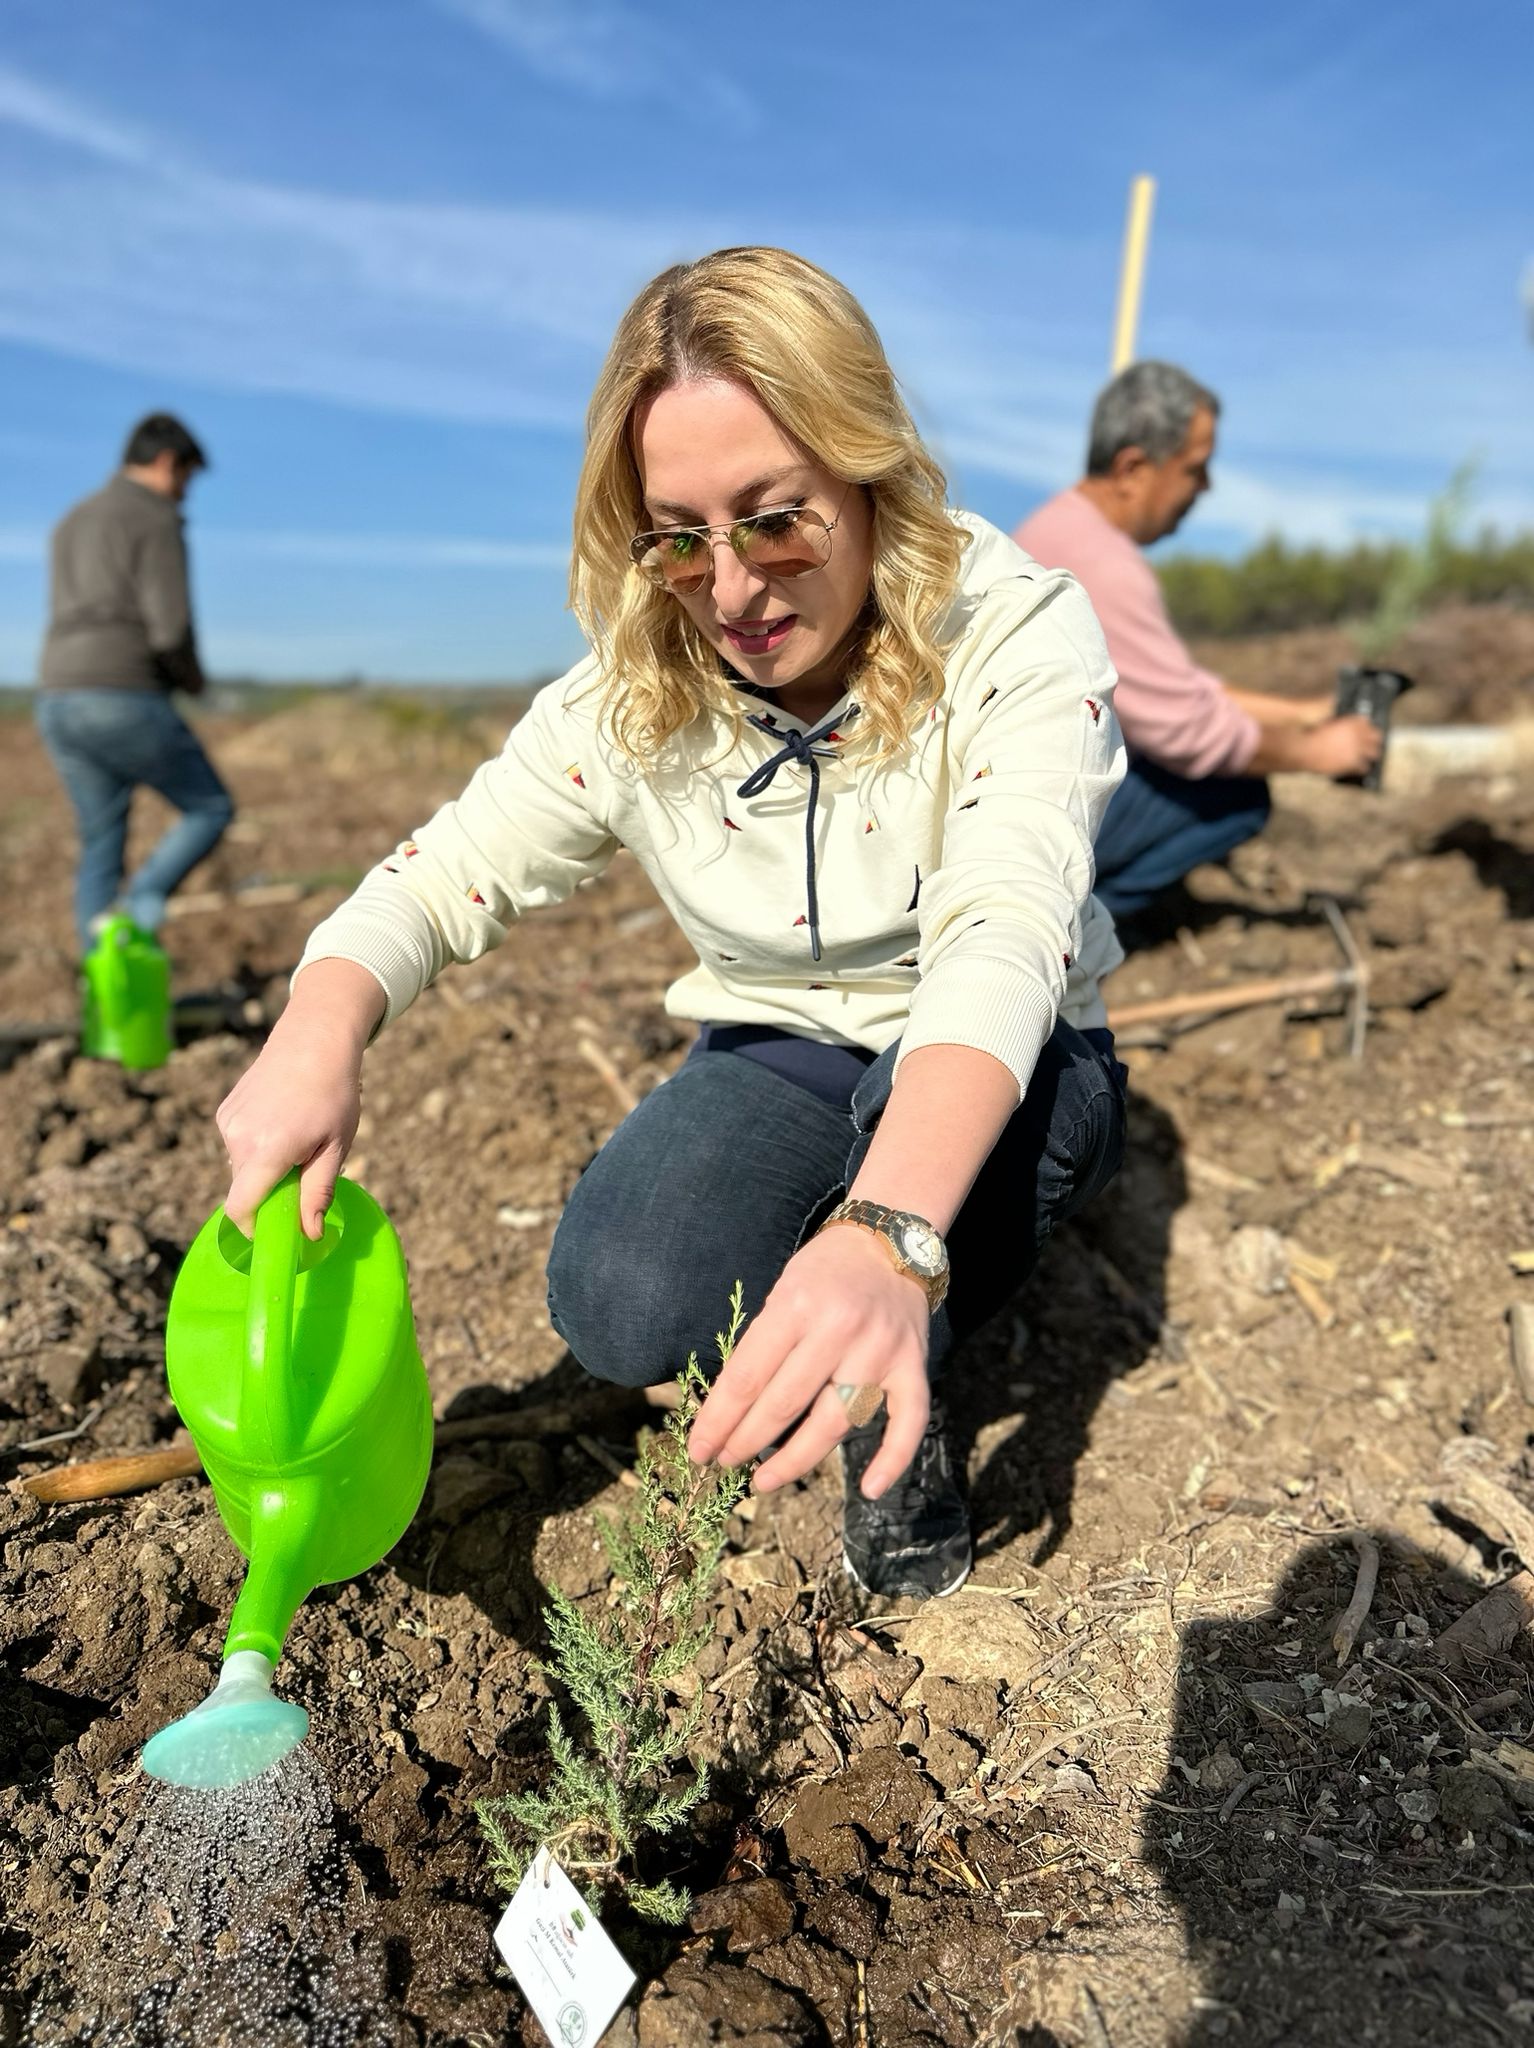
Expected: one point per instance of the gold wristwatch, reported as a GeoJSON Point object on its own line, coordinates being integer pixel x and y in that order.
{"type": "Point", "coordinates": [915, 1246]}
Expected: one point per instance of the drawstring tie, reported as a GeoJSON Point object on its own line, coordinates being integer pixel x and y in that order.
{"type": "Point", "coordinates": [803, 747]}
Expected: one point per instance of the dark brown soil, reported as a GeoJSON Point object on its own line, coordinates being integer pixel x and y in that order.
{"type": "Point", "coordinates": [1115, 1791]}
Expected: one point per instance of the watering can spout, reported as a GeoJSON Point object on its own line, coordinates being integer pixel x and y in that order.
{"type": "Point", "coordinates": [240, 1730]}
{"type": "Point", "coordinates": [282, 1524]}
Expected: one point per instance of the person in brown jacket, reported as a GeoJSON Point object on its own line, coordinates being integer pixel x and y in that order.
{"type": "Point", "coordinates": [120, 640]}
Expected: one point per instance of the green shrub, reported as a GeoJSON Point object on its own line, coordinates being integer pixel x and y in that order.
{"type": "Point", "coordinates": [1381, 586]}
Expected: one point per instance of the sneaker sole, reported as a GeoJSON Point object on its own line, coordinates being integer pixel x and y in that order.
{"type": "Point", "coordinates": [938, 1593]}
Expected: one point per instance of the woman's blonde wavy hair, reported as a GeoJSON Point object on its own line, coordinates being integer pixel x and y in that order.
{"type": "Point", "coordinates": [800, 342]}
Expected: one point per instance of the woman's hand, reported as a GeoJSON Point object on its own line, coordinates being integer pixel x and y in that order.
{"type": "Point", "coordinates": [841, 1314]}
{"type": "Point", "coordinates": [300, 1102]}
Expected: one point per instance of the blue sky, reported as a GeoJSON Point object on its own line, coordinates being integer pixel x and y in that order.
{"type": "Point", "coordinates": [373, 251]}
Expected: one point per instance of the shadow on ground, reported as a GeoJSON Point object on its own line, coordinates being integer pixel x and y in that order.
{"type": "Point", "coordinates": [1350, 1851]}
{"type": "Point", "coordinates": [1092, 1311]}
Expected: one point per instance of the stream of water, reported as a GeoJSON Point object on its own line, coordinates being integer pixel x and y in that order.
{"type": "Point", "coordinates": [220, 1921]}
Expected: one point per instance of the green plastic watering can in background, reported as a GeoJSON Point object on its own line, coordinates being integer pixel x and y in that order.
{"type": "Point", "coordinates": [294, 1365]}
{"type": "Point", "coordinates": [125, 996]}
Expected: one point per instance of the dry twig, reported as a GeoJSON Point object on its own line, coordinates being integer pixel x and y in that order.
{"type": "Point", "coordinates": [1509, 1513]}
{"type": "Point", "coordinates": [1353, 1616]}
{"type": "Point", "coordinates": [594, 1056]}
{"type": "Point", "coordinates": [59, 1436]}
{"type": "Point", "coordinates": [1237, 1793]}
{"type": "Point", "coordinates": [1520, 1339]}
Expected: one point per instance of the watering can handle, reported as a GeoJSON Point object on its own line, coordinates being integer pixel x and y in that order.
{"type": "Point", "coordinates": [115, 969]}
{"type": "Point", "coordinates": [268, 1384]}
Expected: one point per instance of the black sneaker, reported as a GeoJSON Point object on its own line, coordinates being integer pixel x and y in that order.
{"type": "Point", "coordinates": [915, 1539]}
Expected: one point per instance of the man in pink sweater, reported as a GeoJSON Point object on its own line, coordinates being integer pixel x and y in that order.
{"type": "Point", "coordinates": [1199, 749]}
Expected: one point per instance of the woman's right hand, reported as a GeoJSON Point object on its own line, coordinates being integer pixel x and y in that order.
{"type": "Point", "coordinates": [299, 1104]}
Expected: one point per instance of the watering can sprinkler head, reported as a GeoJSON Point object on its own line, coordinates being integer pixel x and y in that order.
{"type": "Point", "coordinates": [240, 1730]}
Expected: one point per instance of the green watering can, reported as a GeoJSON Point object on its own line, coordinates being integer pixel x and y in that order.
{"type": "Point", "coordinates": [125, 996]}
{"type": "Point", "coordinates": [294, 1365]}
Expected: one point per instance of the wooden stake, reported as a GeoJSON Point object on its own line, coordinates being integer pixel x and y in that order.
{"type": "Point", "coordinates": [102, 1478]}
{"type": "Point", "coordinates": [1241, 995]}
{"type": "Point", "coordinates": [1137, 224]}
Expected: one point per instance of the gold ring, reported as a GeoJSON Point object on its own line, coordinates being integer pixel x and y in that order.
{"type": "Point", "coordinates": [861, 1403]}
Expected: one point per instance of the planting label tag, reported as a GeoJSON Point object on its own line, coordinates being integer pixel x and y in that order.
{"type": "Point", "coordinates": [558, 1951]}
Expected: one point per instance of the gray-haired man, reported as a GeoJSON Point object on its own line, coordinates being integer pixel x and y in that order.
{"type": "Point", "coordinates": [1199, 749]}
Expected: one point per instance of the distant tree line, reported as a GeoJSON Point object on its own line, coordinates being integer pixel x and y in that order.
{"type": "Point", "coordinates": [1278, 585]}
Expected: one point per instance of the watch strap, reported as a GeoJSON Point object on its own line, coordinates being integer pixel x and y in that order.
{"type": "Point", "coordinates": [886, 1223]}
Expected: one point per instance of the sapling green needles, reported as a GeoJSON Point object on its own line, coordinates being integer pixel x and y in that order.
{"type": "Point", "coordinates": [1416, 570]}
{"type": "Point", "coordinates": [622, 1769]}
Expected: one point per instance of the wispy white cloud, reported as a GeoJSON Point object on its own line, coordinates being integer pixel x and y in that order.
{"type": "Point", "coordinates": [605, 50]}
{"type": "Point", "coordinates": [125, 255]}
{"type": "Point", "coordinates": [29, 545]}
{"type": "Point", "coordinates": [387, 551]}
{"type": "Point", "coordinates": [24, 103]}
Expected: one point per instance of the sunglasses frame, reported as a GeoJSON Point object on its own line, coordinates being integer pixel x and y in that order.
{"type": "Point", "coordinates": [641, 544]}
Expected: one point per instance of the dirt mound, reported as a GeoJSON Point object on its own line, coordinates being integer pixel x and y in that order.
{"type": "Point", "coordinates": [1469, 662]}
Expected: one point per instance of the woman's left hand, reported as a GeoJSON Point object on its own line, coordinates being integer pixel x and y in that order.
{"type": "Point", "coordinates": [841, 1314]}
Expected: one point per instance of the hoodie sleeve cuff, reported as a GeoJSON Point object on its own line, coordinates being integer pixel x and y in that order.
{"type": "Point", "coordinates": [991, 1005]}
{"type": "Point", "coordinates": [390, 955]}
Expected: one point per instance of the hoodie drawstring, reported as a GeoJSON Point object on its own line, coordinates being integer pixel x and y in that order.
{"type": "Point", "coordinates": [804, 747]}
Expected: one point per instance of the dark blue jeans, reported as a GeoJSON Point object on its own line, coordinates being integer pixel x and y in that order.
{"type": "Point", "coordinates": [105, 744]}
{"type": "Point", "coordinates": [728, 1168]}
{"type": "Point", "coordinates": [1160, 825]}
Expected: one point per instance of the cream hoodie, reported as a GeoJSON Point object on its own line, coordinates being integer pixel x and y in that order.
{"type": "Point", "coordinates": [953, 884]}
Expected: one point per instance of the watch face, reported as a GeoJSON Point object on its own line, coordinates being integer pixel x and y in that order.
{"type": "Point", "coordinates": [920, 1243]}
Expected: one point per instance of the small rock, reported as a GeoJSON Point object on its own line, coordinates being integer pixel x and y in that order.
{"type": "Point", "coordinates": [1219, 1772]}
{"type": "Point", "coordinates": [1348, 1720]}
{"type": "Point", "coordinates": [126, 1244]}
{"type": "Point", "coordinates": [751, 1914]}
{"type": "Point", "coordinates": [1070, 1781]}
{"type": "Point", "coordinates": [969, 1636]}
{"type": "Point", "coordinates": [1257, 1258]}
{"type": "Point", "coordinates": [1419, 1803]}
{"type": "Point", "coordinates": [68, 1371]}
{"type": "Point", "coordinates": [1275, 1698]}
{"type": "Point", "coordinates": [1469, 1799]}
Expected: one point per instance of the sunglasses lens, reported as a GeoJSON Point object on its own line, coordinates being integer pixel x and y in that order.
{"type": "Point", "coordinates": [675, 561]}
{"type": "Point", "coordinates": [784, 543]}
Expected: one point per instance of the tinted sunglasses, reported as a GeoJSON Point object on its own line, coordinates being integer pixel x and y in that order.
{"type": "Point", "coordinates": [787, 541]}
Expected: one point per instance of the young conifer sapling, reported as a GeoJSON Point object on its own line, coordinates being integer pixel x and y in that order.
{"type": "Point", "coordinates": [623, 1773]}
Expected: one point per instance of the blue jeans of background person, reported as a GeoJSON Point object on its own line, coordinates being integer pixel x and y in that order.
{"type": "Point", "coordinates": [1160, 825]}
{"type": "Point", "coordinates": [727, 1168]}
{"type": "Point", "coordinates": [105, 744]}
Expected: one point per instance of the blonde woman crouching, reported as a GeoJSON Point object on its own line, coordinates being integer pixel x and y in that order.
{"type": "Point", "coordinates": [861, 745]}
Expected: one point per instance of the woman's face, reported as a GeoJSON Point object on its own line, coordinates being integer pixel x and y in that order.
{"type": "Point", "coordinates": [709, 453]}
